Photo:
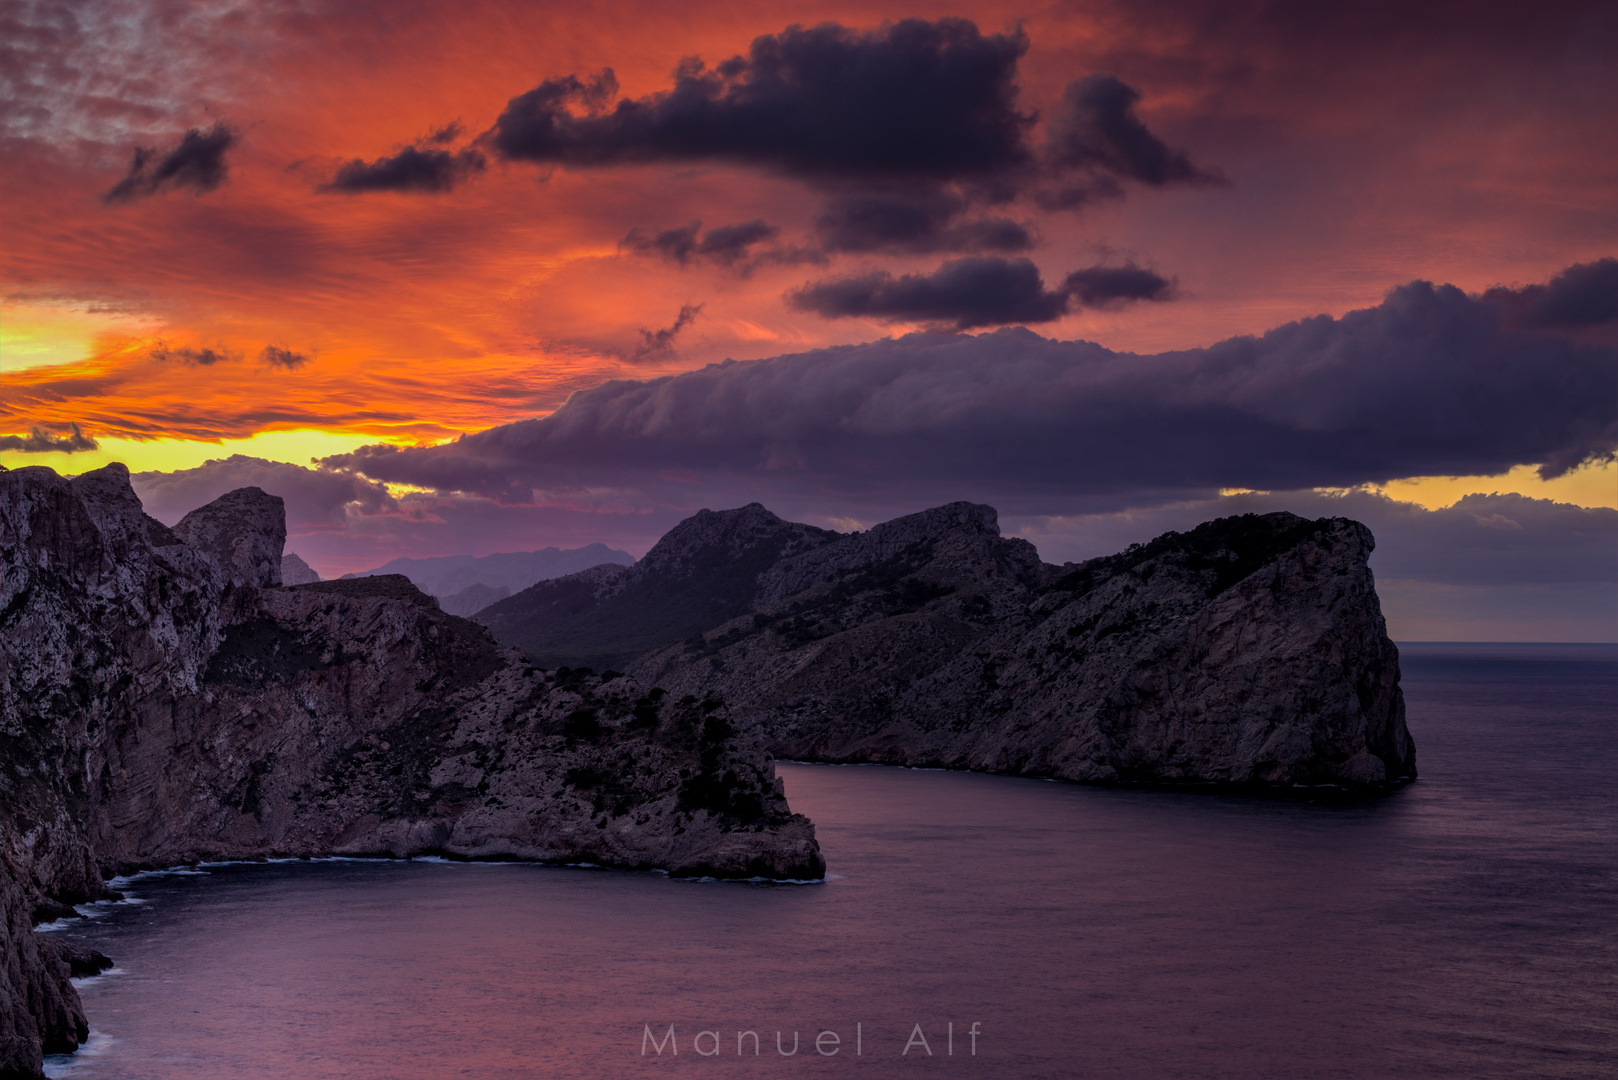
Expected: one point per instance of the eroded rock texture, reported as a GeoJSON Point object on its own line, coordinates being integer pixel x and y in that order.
{"type": "Point", "coordinates": [1249, 650]}
{"type": "Point", "coordinates": [163, 701]}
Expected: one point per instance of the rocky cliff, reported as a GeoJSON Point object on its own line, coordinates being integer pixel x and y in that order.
{"type": "Point", "coordinates": [163, 700]}
{"type": "Point", "coordinates": [703, 572]}
{"type": "Point", "coordinates": [1249, 650]}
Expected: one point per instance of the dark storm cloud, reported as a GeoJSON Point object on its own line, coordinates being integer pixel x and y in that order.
{"type": "Point", "coordinates": [910, 129]}
{"type": "Point", "coordinates": [1111, 286]}
{"type": "Point", "coordinates": [659, 343]}
{"type": "Point", "coordinates": [316, 499]}
{"type": "Point", "coordinates": [40, 441]}
{"type": "Point", "coordinates": [1426, 383]}
{"type": "Point", "coordinates": [927, 104]}
{"type": "Point", "coordinates": [187, 354]}
{"type": "Point", "coordinates": [197, 163]}
{"type": "Point", "coordinates": [725, 244]}
{"type": "Point", "coordinates": [1584, 295]}
{"type": "Point", "coordinates": [963, 293]}
{"type": "Point", "coordinates": [414, 168]}
{"type": "Point", "coordinates": [275, 356]}
{"type": "Point", "coordinates": [914, 98]}
{"type": "Point", "coordinates": [974, 292]}
{"type": "Point", "coordinates": [920, 221]}
{"type": "Point", "coordinates": [1098, 128]}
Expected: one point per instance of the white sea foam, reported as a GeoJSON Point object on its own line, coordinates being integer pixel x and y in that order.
{"type": "Point", "coordinates": [63, 1065]}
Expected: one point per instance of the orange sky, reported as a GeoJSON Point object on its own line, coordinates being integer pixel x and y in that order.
{"type": "Point", "coordinates": [1336, 152]}
{"type": "Point", "coordinates": [1360, 155]}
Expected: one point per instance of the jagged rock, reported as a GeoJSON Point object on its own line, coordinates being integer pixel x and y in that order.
{"type": "Point", "coordinates": [1249, 650]}
{"type": "Point", "coordinates": [160, 703]}
{"type": "Point", "coordinates": [294, 571]}
{"type": "Point", "coordinates": [702, 572]}
{"type": "Point", "coordinates": [81, 960]}
{"type": "Point", "coordinates": [245, 529]}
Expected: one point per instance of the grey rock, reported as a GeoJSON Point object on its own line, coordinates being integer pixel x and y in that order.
{"type": "Point", "coordinates": [294, 571]}
{"type": "Point", "coordinates": [161, 703]}
{"type": "Point", "coordinates": [703, 572]}
{"type": "Point", "coordinates": [245, 529]}
{"type": "Point", "coordinates": [1249, 650]}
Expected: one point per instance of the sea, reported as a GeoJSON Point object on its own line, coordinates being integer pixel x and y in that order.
{"type": "Point", "coordinates": [1465, 925]}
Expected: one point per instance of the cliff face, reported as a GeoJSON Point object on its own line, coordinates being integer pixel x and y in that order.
{"type": "Point", "coordinates": [162, 701]}
{"type": "Point", "coordinates": [1249, 650]}
{"type": "Point", "coordinates": [702, 573]}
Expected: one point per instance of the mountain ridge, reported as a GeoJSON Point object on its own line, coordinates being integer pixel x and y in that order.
{"type": "Point", "coordinates": [164, 700]}
{"type": "Point", "coordinates": [1250, 650]}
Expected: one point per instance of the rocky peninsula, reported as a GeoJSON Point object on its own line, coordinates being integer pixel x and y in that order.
{"type": "Point", "coordinates": [165, 699]}
{"type": "Point", "coordinates": [1250, 650]}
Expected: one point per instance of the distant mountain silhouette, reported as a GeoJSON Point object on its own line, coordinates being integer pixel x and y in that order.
{"type": "Point", "coordinates": [449, 575]}
{"type": "Point", "coordinates": [703, 572]}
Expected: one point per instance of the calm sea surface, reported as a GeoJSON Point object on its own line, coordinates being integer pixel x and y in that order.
{"type": "Point", "coordinates": [1464, 926]}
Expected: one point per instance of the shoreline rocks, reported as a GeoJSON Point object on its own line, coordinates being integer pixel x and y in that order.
{"type": "Point", "coordinates": [164, 700]}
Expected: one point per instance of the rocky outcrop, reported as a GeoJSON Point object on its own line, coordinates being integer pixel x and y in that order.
{"type": "Point", "coordinates": [703, 572]}
{"type": "Point", "coordinates": [1249, 650]}
{"type": "Point", "coordinates": [161, 701]}
{"type": "Point", "coordinates": [245, 529]}
{"type": "Point", "coordinates": [294, 571]}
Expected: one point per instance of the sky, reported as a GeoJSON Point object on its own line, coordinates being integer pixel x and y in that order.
{"type": "Point", "coordinates": [474, 277]}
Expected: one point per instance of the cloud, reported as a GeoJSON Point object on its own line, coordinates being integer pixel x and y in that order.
{"type": "Point", "coordinates": [978, 291]}
{"type": "Point", "coordinates": [964, 293]}
{"type": "Point", "coordinates": [198, 162]}
{"type": "Point", "coordinates": [1425, 383]}
{"type": "Point", "coordinates": [275, 356]}
{"type": "Point", "coordinates": [917, 221]}
{"type": "Point", "coordinates": [659, 343]}
{"type": "Point", "coordinates": [317, 500]}
{"type": "Point", "coordinates": [1584, 295]}
{"type": "Point", "coordinates": [908, 127]}
{"type": "Point", "coordinates": [1111, 286]}
{"type": "Point", "coordinates": [40, 441]}
{"type": "Point", "coordinates": [725, 244]}
{"type": "Point", "coordinates": [415, 168]}
{"type": "Point", "coordinates": [912, 98]}
{"type": "Point", "coordinates": [187, 354]}
{"type": "Point", "coordinates": [1098, 129]}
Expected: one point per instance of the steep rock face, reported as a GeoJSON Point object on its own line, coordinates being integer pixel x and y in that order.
{"type": "Point", "coordinates": [159, 704]}
{"type": "Point", "coordinates": [294, 571]}
{"type": "Point", "coordinates": [1248, 650]}
{"type": "Point", "coordinates": [702, 572]}
{"type": "Point", "coordinates": [245, 529]}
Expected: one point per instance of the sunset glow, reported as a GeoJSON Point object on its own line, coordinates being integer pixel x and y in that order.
{"type": "Point", "coordinates": [286, 233]}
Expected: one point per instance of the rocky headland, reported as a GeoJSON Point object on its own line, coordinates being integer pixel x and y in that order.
{"type": "Point", "coordinates": [165, 699]}
{"type": "Point", "coordinates": [1250, 650]}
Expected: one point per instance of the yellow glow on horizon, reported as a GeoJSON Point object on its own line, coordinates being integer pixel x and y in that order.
{"type": "Point", "coordinates": [169, 455]}
{"type": "Point", "coordinates": [1592, 486]}
{"type": "Point", "coordinates": [40, 335]}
